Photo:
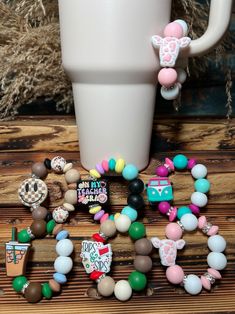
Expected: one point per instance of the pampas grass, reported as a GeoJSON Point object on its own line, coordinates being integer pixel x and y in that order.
{"type": "Point", "coordinates": [30, 57]}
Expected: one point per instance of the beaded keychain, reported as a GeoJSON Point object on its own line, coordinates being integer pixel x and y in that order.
{"type": "Point", "coordinates": [94, 193]}
{"type": "Point", "coordinates": [159, 189]}
{"type": "Point", "coordinates": [97, 258]}
{"type": "Point", "coordinates": [33, 192]}
{"type": "Point", "coordinates": [168, 252]}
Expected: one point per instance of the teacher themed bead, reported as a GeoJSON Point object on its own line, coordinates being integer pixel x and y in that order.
{"type": "Point", "coordinates": [159, 189]}
{"type": "Point", "coordinates": [216, 260]}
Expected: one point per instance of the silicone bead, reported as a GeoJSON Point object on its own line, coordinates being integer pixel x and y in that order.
{"type": "Point", "coordinates": [173, 231]}
{"type": "Point", "coordinates": [122, 290]}
{"type": "Point", "coordinates": [199, 199]}
{"type": "Point", "coordinates": [216, 260]}
{"type": "Point", "coordinates": [108, 228]}
{"type": "Point", "coordinates": [202, 185]}
{"type": "Point", "coordinates": [57, 229]}
{"type": "Point", "coordinates": [105, 165]}
{"type": "Point", "coordinates": [72, 176]}
{"type": "Point", "coordinates": [39, 169]}
{"type": "Point", "coordinates": [143, 264]}
{"type": "Point", "coordinates": [171, 93]}
{"type": "Point", "coordinates": [60, 214]}
{"type": "Point", "coordinates": [135, 201]}
{"type": "Point", "coordinates": [175, 274]}
{"type": "Point", "coordinates": [162, 171]}
{"type": "Point", "coordinates": [94, 209]}
{"type": "Point", "coordinates": [94, 174]}
{"type": "Point", "coordinates": [182, 211]}
{"type": "Point", "coordinates": [33, 293]}
{"type": "Point", "coordinates": [58, 163]}
{"type": "Point", "coordinates": [216, 243]}
{"type": "Point", "coordinates": [136, 186]}
{"type": "Point", "coordinates": [181, 75]}
{"type": "Point", "coordinates": [167, 77]}
{"type": "Point", "coordinates": [173, 29]}
{"type": "Point", "coordinates": [23, 236]}
{"type": "Point", "coordinates": [214, 273]}
{"type": "Point", "coordinates": [60, 278]}
{"type": "Point", "coordinates": [50, 226]}
{"type": "Point", "coordinates": [38, 228]}
{"type": "Point", "coordinates": [193, 284]}
{"type": "Point", "coordinates": [69, 207]}
{"type": "Point", "coordinates": [199, 171]}
{"type": "Point", "coordinates": [46, 291]}
{"type": "Point", "coordinates": [183, 25]}
{"type": "Point", "coordinates": [137, 231]}
{"type": "Point", "coordinates": [99, 215]}
{"type": "Point", "coordinates": [143, 246]}
{"type": "Point", "coordinates": [63, 264]}
{"type": "Point", "coordinates": [18, 283]}
{"type": "Point", "coordinates": [111, 217]}
{"type": "Point", "coordinates": [64, 247]}
{"type": "Point", "coordinates": [122, 223]}
{"type": "Point", "coordinates": [205, 282]}
{"type": "Point", "coordinates": [62, 235]}
{"type": "Point", "coordinates": [191, 163]}
{"type": "Point", "coordinates": [104, 217]}
{"type": "Point", "coordinates": [106, 286]}
{"type": "Point", "coordinates": [70, 197]}
{"type": "Point", "coordinates": [180, 162]}
{"type": "Point", "coordinates": [164, 207]}
{"type": "Point", "coordinates": [137, 280]}
{"type": "Point", "coordinates": [112, 164]}
{"type": "Point", "coordinates": [67, 167]}
{"type": "Point", "coordinates": [55, 286]}
{"type": "Point", "coordinates": [120, 164]}
{"type": "Point", "coordinates": [99, 168]}
{"type": "Point", "coordinates": [39, 213]}
{"type": "Point", "coordinates": [189, 222]}
{"type": "Point", "coordinates": [195, 209]}
{"type": "Point", "coordinates": [130, 172]}
{"type": "Point", "coordinates": [130, 212]}
{"type": "Point", "coordinates": [116, 215]}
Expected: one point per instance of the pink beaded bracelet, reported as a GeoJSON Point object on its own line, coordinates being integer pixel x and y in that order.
{"type": "Point", "coordinates": [159, 188]}
{"type": "Point", "coordinates": [168, 252]}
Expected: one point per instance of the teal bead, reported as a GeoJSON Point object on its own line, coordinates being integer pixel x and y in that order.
{"type": "Point", "coordinates": [130, 172]}
{"type": "Point", "coordinates": [46, 291]}
{"type": "Point", "coordinates": [111, 217]}
{"type": "Point", "coordinates": [180, 162]}
{"type": "Point", "coordinates": [112, 164]}
{"type": "Point", "coordinates": [137, 231]}
{"type": "Point", "coordinates": [182, 211]}
{"type": "Point", "coordinates": [23, 236]}
{"type": "Point", "coordinates": [202, 185]}
{"type": "Point", "coordinates": [130, 212]}
{"type": "Point", "coordinates": [137, 280]}
{"type": "Point", "coordinates": [18, 283]}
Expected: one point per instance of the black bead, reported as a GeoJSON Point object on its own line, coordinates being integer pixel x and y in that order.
{"type": "Point", "coordinates": [135, 201]}
{"type": "Point", "coordinates": [48, 217]}
{"type": "Point", "coordinates": [47, 163]}
{"type": "Point", "coordinates": [136, 186]}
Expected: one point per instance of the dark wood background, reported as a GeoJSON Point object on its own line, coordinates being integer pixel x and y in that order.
{"type": "Point", "coordinates": [200, 130]}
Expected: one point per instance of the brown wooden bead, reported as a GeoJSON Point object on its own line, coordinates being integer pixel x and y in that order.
{"type": "Point", "coordinates": [143, 263]}
{"type": "Point", "coordinates": [38, 228]}
{"type": "Point", "coordinates": [143, 246]}
{"type": "Point", "coordinates": [39, 169]}
{"type": "Point", "coordinates": [55, 286]}
{"type": "Point", "coordinates": [39, 213]}
{"type": "Point", "coordinates": [57, 229]}
{"type": "Point", "coordinates": [33, 293]}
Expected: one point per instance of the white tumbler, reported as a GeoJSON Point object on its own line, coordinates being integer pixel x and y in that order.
{"type": "Point", "coordinates": [108, 55]}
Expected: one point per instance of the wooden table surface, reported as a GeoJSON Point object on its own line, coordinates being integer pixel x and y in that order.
{"type": "Point", "coordinates": [210, 141]}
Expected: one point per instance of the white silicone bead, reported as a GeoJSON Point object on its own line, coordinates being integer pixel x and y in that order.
{"type": "Point", "coordinates": [184, 26]}
{"type": "Point", "coordinates": [122, 290]}
{"type": "Point", "coordinates": [122, 223]}
{"type": "Point", "coordinates": [64, 247]}
{"type": "Point", "coordinates": [189, 222]}
{"type": "Point", "coordinates": [171, 93]}
{"type": "Point", "coordinates": [217, 260]}
{"type": "Point", "coordinates": [193, 284]}
{"type": "Point", "coordinates": [181, 75]}
{"type": "Point", "coordinates": [199, 171]}
{"type": "Point", "coordinates": [216, 243]}
{"type": "Point", "coordinates": [199, 199]}
{"type": "Point", "coordinates": [63, 264]}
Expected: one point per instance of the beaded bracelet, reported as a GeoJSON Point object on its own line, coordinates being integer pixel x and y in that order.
{"type": "Point", "coordinates": [97, 258]}
{"type": "Point", "coordinates": [94, 193]}
{"type": "Point", "coordinates": [168, 252]}
{"type": "Point", "coordinates": [159, 189]}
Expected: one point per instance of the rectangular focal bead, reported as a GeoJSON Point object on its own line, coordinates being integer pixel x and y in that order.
{"type": "Point", "coordinates": [93, 192]}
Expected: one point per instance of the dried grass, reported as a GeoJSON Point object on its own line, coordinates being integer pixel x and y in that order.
{"type": "Point", "coordinates": [30, 57]}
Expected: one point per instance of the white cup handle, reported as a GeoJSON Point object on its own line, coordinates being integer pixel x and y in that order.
{"type": "Point", "coordinates": [219, 18]}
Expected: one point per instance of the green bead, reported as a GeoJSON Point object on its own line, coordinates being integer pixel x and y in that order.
{"type": "Point", "coordinates": [137, 281]}
{"type": "Point", "coordinates": [23, 236]}
{"type": "Point", "coordinates": [46, 291]}
{"type": "Point", "coordinates": [50, 226]}
{"type": "Point", "coordinates": [182, 211]}
{"type": "Point", "coordinates": [137, 230]}
{"type": "Point", "coordinates": [202, 185]}
{"type": "Point", "coordinates": [18, 283]}
{"type": "Point", "coordinates": [112, 164]}
{"type": "Point", "coordinates": [180, 162]}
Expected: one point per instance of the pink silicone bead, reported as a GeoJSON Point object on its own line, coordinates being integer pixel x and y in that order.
{"type": "Point", "coordinates": [164, 207]}
{"type": "Point", "coordinates": [175, 274]}
{"type": "Point", "coordinates": [201, 222]}
{"type": "Point", "coordinates": [191, 163]}
{"type": "Point", "coordinates": [167, 77]}
{"type": "Point", "coordinates": [205, 283]}
{"type": "Point", "coordinates": [162, 171]}
{"type": "Point", "coordinates": [104, 217]}
{"type": "Point", "coordinates": [195, 209]}
{"type": "Point", "coordinates": [99, 168]}
{"type": "Point", "coordinates": [214, 273]}
{"type": "Point", "coordinates": [105, 165]}
{"type": "Point", "coordinates": [213, 230]}
{"type": "Point", "coordinates": [173, 214]}
{"type": "Point", "coordinates": [169, 163]}
{"type": "Point", "coordinates": [173, 29]}
{"type": "Point", "coordinates": [173, 231]}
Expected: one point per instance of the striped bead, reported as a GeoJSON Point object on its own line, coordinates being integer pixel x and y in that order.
{"type": "Point", "coordinates": [120, 164]}
{"type": "Point", "coordinates": [105, 165]}
{"type": "Point", "coordinates": [95, 174]}
{"type": "Point", "coordinates": [94, 209]}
